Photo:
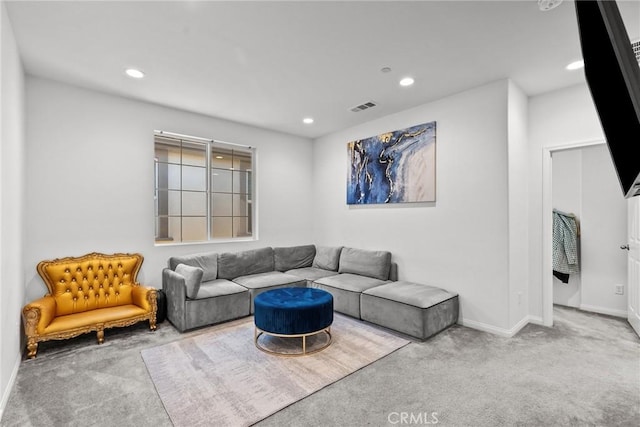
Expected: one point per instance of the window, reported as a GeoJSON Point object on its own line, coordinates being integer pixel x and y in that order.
{"type": "Point", "coordinates": [203, 189]}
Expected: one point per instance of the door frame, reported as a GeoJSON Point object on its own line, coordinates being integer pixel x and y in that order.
{"type": "Point", "coordinates": [547, 222]}
{"type": "Point", "coordinates": [633, 269]}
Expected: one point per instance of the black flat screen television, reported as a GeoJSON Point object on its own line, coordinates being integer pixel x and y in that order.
{"type": "Point", "coordinates": [613, 77]}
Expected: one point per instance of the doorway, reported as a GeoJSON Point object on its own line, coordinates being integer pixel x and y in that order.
{"type": "Point", "coordinates": [579, 178]}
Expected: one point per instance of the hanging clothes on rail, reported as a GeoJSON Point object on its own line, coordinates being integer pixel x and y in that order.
{"type": "Point", "coordinates": [565, 245]}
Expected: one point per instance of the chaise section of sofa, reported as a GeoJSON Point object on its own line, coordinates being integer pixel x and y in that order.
{"type": "Point", "coordinates": [416, 309]}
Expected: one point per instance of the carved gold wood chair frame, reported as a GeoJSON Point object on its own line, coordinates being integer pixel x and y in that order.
{"type": "Point", "coordinates": [32, 314]}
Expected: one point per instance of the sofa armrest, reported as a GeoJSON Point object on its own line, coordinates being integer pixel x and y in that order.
{"type": "Point", "coordinates": [38, 314]}
{"type": "Point", "coordinates": [173, 284]}
{"type": "Point", "coordinates": [176, 295]}
{"type": "Point", "coordinates": [393, 272]}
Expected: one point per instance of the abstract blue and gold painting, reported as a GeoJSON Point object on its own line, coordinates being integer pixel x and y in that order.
{"type": "Point", "coordinates": [394, 167]}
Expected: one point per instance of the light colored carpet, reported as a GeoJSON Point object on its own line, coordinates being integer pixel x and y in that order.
{"type": "Point", "coordinates": [220, 378]}
{"type": "Point", "coordinates": [583, 371]}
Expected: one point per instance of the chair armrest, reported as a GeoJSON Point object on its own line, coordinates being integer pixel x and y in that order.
{"type": "Point", "coordinates": [144, 297]}
{"type": "Point", "coordinates": [38, 314]}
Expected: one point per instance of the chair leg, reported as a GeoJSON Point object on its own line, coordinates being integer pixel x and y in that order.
{"type": "Point", "coordinates": [100, 334]}
{"type": "Point", "coordinates": [32, 348]}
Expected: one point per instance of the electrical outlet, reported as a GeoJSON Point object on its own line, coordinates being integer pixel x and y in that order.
{"type": "Point", "coordinates": [619, 289]}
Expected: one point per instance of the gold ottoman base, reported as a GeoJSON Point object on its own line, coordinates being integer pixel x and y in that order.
{"type": "Point", "coordinates": [259, 332]}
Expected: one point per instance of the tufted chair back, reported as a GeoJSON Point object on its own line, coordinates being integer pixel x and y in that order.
{"type": "Point", "coordinates": [90, 282]}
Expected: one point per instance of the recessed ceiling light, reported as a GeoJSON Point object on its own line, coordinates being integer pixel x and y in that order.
{"type": "Point", "coordinates": [385, 69]}
{"type": "Point", "coordinates": [136, 74]}
{"type": "Point", "coordinates": [407, 81]}
{"type": "Point", "coordinates": [576, 65]}
{"type": "Point", "coordinates": [545, 5]}
{"type": "Point", "coordinates": [219, 157]}
{"type": "Point", "coordinates": [307, 120]}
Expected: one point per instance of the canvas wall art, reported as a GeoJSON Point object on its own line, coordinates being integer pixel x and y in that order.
{"type": "Point", "coordinates": [394, 167]}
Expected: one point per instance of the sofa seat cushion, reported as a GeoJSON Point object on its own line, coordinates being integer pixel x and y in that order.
{"type": "Point", "coordinates": [258, 283]}
{"type": "Point", "coordinates": [346, 289]}
{"type": "Point", "coordinates": [414, 309]}
{"type": "Point", "coordinates": [266, 280]}
{"type": "Point", "coordinates": [414, 294]}
{"type": "Point", "coordinates": [311, 273]}
{"type": "Point", "coordinates": [94, 317]}
{"type": "Point", "coordinates": [350, 282]}
{"type": "Point", "coordinates": [217, 288]}
{"type": "Point", "coordinates": [376, 264]}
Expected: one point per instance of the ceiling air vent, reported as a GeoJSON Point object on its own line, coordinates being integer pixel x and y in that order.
{"type": "Point", "coordinates": [636, 49]}
{"type": "Point", "coordinates": [363, 107]}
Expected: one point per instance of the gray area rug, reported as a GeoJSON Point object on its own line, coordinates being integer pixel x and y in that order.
{"type": "Point", "coordinates": [220, 378]}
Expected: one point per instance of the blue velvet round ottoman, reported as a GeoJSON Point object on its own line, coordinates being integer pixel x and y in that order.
{"type": "Point", "coordinates": [293, 312]}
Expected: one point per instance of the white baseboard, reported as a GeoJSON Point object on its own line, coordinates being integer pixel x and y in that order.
{"type": "Point", "coordinates": [536, 320]}
{"type": "Point", "coordinates": [7, 391]}
{"type": "Point", "coordinates": [507, 333]}
{"type": "Point", "coordinates": [634, 319]}
{"type": "Point", "coordinates": [604, 310]}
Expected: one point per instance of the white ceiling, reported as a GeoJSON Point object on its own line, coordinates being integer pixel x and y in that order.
{"type": "Point", "coordinates": [270, 64]}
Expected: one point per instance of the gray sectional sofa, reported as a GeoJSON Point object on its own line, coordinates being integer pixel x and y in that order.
{"type": "Point", "coordinates": [207, 288]}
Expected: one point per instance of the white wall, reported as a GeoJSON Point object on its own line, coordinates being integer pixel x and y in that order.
{"type": "Point", "coordinates": [12, 185]}
{"type": "Point", "coordinates": [517, 149]}
{"type": "Point", "coordinates": [461, 241]}
{"type": "Point", "coordinates": [90, 178]}
{"type": "Point", "coordinates": [556, 119]}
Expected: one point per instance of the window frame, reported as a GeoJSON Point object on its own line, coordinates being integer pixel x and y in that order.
{"type": "Point", "coordinates": [248, 197]}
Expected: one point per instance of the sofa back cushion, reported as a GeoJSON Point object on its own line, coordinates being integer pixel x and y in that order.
{"type": "Point", "coordinates": [232, 265]}
{"type": "Point", "coordinates": [208, 262]}
{"type": "Point", "coordinates": [91, 281]}
{"type": "Point", "coordinates": [374, 264]}
{"type": "Point", "coordinates": [293, 257]}
{"type": "Point", "coordinates": [327, 258]}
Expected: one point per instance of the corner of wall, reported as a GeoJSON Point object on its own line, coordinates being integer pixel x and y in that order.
{"type": "Point", "coordinates": [7, 391]}
{"type": "Point", "coordinates": [518, 205]}
{"type": "Point", "coordinates": [503, 332]}
{"type": "Point", "coordinates": [427, 240]}
{"type": "Point", "coordinates": [12, 206]}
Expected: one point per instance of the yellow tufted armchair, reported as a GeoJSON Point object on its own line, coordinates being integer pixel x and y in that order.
{"type": "Point", "coordinates": [88, 293]}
